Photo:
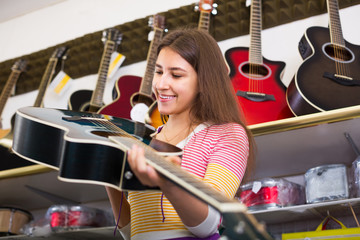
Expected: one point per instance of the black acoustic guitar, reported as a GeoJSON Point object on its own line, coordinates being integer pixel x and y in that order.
{"type": "Point", "coordinates": [91, 148]}
{"type": "Point", "coordinates": [92, 101]}
{"type": "Point", "coordinates": [329, 77]}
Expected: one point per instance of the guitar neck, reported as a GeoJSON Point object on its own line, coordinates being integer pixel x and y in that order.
{"type": "Point", "coordinates": [49, 72]}
{"type": "Point", "coordinates": [97, 96]}
{"type": "Point", "coordinates": [146, 83]}
{"type": "Point", "coordinates": [255, 55]}
{"type": "Point", "coordinates": [6, 92]}
{"type": "Point", "coordinates": [204, 20]}
{"type": "Point", "coordinates": [336, 35]}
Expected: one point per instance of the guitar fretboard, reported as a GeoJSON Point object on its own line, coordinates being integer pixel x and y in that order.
{"type": "Point", "coordinates": [97, 96]}
{"type": "Point", "coordinates": [49, 72]}
{"type": "Point", "coordinates": [184, 179]}
{"type": "Point", "coordinates": [146, 83]}
{"type": "Point", "coordinates": [5, 94]}
{"type": "Point", "coordinates": [204, 20]}
{"type": "Point", "coordinates": [336, 35]}
{"type": "Point", "coordinates": [255, 55]}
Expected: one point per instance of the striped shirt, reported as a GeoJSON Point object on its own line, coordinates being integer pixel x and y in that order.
{"type": "Point", "coordinates": [218, 155]}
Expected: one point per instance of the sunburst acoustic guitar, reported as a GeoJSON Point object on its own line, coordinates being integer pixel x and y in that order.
{"type": "Point", "coordinates": [329, 77]}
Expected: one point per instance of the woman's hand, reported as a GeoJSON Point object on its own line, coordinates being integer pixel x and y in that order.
{"type": "Point", "coordinates": [146, 174]}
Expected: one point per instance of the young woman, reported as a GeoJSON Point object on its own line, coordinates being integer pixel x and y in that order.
{"type": "Point", "coordinates": [192, 87]}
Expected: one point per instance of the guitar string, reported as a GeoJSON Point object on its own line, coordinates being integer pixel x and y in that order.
{"type": "Point", "coordinates": [179, 173]}
{"type": "Point", "coordinates": [339, 47]}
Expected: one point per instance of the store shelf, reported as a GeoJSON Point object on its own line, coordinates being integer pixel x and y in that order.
{"type": "Point", "coordinates": [308, 211]}
{"type": "Point", "coordinates": [41, 190]}
{"type": "Point", "coordinates": [292, 146]}
{"type": "Point", "coordinates": [89, 233]}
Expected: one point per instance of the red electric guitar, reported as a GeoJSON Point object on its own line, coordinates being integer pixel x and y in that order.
{"type": "Point", "coordinates": [256, 80]}
{"type": "Point", "coordinates": [206, 7]}
{"type": "Point", "coordinates": [329, 77]}
{"type": "Point", "coordinates": [132, 90]}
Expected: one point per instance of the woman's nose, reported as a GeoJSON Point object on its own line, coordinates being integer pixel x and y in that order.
{"type": "Point", "coordinates": [162, 82]}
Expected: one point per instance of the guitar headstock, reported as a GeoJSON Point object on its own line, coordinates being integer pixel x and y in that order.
{"type": "Point", "coordinates": [206, 6]}
{"type": "Point", "coordinates": [157, 21]}
{"type": "Point", "coordinates": [59, 52]}
{"type": "Point", "coordinates": [19, 65]}
{"type": "Point", "coordinates": [112, 34]}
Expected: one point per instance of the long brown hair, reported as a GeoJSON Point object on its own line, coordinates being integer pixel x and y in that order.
{"type": "Point", "coordinates": [216, 101]}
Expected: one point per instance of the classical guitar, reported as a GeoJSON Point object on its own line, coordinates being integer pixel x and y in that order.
{"type": "Point", "coordinates": [133, 91]}
{"type": "Point", "coordinates": [257, 80]}
{"type": "Point", "coordinates": [91, 148]}
{"type": "Point", "coordinates": [206, 7]}
{"type": "Point", "coordinates": [48, 75]}
{"type": "Point", "coordinates": [87, 100]}
{"type": "Point", "coordinates": [329, 77]}
{"type": "Point", "coordinates": [18, 67]}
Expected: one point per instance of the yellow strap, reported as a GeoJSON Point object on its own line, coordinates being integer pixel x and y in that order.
{"type": "Point", "coordinates": [319, 228]}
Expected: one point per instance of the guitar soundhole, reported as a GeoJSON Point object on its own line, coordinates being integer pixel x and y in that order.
{"type": "Point", "coordinates": [107, 134]}
{"type": "Point", "coordinates": [254, 71]}
{"type": "Point", "coordinates": [141, 98]}
{"type": "Point", "coordinates": [338, 53]}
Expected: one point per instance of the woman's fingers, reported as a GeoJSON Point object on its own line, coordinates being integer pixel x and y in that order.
{"type": "Point", "coordinates": [146, 174]}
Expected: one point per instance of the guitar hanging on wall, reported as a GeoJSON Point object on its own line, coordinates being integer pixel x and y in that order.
{"type": "Point", "coordinates": [257, 80]}
{"type": "Point", "coordinates": [92, 101]}
{"type": "Point", "coordinates": [18, 67]}
{"type": "Point", "coordinates": [48, 75]}
{"type": "Point", "coordinates": [133, 91]}
{"type": "Point", "coordinates": [206, 7]}
{"type": "Point", "coordinates": [45, 80]}
{"type": "Point", "coordinates": [329, 77]}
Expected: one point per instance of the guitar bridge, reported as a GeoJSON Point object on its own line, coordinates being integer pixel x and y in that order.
{"type": "Point", "coordinates": [341, 79]}
{"type": "Point", "coordinates": [255, 97]}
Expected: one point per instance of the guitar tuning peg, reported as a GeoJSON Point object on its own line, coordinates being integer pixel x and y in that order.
{"type": "Point", "coordinates": [151, 21]}
{"type": "Point", "coordinates": [196, 7]}
{"type": "Point", "coordinates": [214, 10]}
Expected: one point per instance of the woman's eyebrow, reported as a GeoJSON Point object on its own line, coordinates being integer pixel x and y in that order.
{"type": "Point", "coordinates": [171, 68]}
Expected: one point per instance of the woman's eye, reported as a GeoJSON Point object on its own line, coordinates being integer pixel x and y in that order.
{"type": "Point", "coordinates": [176, 76]}
{"type": "Point", "coordinates": [158, 72]}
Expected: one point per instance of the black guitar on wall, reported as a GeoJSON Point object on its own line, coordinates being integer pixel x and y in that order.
{"type": "Point", "coordinates": [92, 101]}
{"type": "Point", "coordinates": [329, 77]}
{"type": "Point", "coordinates": [91, 148]}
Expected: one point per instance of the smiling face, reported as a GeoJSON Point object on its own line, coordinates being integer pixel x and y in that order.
{"type": "Point", "coordinates": [174, 84]}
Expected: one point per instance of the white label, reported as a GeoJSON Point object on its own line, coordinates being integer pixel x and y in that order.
{"type": "Point", "coordinates": [138, 112]}
{"type": "Point", "coordinates": [256, 186]}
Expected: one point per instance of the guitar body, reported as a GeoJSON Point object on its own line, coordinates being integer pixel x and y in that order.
{"type": "Point", "coordinates": [154, 118]}
{"type": "Point", "coordinates": [258, 111]}
{"type": "Point", "coordinates": [77, 144]}
{"type": "Point", "coordinates": [80, 100]}
{"type": "Point", "coordinates": [125, 86]}
{"type": "Point", "coordinates": [310, 91]}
